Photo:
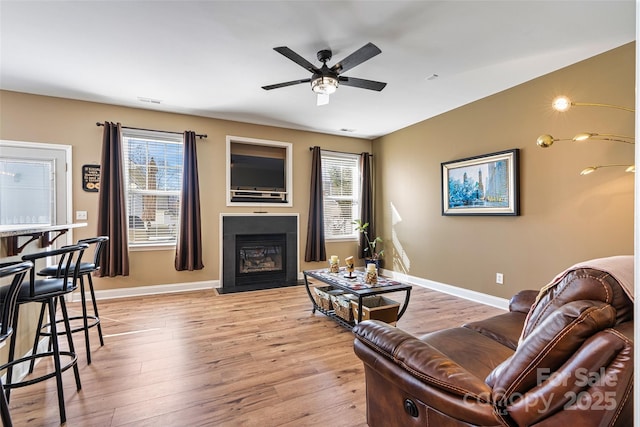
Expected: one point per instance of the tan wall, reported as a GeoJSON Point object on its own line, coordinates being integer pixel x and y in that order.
{"type": "Point", "coordinates": [565, 218]}
{"type": "Point", "coordinates": [60, 121]}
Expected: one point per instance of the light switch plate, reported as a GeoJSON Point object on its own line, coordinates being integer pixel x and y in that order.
{"type": "Point", "coordinates": [81, 214]}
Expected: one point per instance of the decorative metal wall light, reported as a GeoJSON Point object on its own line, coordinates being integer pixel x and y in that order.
{"type": "Point", "coordinates": [591, 169]}
{"type": "Point", "coordinates": [547, 140]}
{"type": "Point", "coordinates": [562, 103]}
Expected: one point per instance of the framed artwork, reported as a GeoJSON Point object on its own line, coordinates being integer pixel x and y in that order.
{"type": "Point", "coordinates": [481, 185]}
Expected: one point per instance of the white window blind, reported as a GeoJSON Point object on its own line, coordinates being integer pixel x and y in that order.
{"type": "Point", "coordinates": [153, 175]}
{"type": "Point", "coordinates": [341, 186]}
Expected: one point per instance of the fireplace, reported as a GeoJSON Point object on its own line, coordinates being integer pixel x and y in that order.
{"type": "Point", "coordinates": [260, 258]}
{"type": "Point", "coordinates": [259, 252]}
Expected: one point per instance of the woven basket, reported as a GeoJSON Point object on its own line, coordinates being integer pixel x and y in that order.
{"type": "Point", "coordinates": [323, 294]}
{"type": "Point", "coordinates": [342, 307]}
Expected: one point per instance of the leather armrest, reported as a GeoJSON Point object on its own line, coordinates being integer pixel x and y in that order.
{"type": "Point", "coordinates": [522, 301]}
{"type": "Point", "coordinates": [418, 359]}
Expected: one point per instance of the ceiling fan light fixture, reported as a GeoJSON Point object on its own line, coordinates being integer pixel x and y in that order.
{"type": "Point", "coordinates": [325, 85]}
{"type": "Point", "coordinates": [322, 99]}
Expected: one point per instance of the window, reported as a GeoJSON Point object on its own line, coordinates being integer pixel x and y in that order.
{"type": "Point", "coordinates": [153, 177]}
{"type": "Point", "coordinates": [341, 186]}
{"type": "Point", "coordinates": [41, 171]}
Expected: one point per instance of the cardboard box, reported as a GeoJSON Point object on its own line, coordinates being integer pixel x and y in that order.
{"type": "Point", "coordinates": [377, 308]}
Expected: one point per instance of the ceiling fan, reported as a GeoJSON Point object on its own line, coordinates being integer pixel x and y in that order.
{"type": "Point", "coordinates": [325, 80]}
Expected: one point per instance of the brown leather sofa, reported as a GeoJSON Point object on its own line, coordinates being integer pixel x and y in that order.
{"type": "Point", "coordinates": [565, 359]}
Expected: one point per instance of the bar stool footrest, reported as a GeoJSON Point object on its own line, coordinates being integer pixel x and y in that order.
{"type": "Point", "coordinates": [24, 383]}
{"type": "Point", "coordinates": [94, 319]}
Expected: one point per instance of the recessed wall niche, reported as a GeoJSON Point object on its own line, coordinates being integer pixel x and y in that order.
{"type": "Point", "coordinates": [259, 172]}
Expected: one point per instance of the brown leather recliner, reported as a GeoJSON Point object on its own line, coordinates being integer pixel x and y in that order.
{"type": "Point", "coordinates": [565, 359]}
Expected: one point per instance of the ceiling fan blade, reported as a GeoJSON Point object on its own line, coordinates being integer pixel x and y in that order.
{"type": "Point", "coordinates": [365, 53]}
{"type": "Point", "coordinates": [361, 83]}
{"type": "Point", "coordinates": [297, 59]}
{"type": "Point", "coordinates": [285, 84]}
{"type": "Point", "coordinates": [323, 99]}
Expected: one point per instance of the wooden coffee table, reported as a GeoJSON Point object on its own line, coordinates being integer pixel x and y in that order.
{"type": "Point", "coordinates": [356, 287]}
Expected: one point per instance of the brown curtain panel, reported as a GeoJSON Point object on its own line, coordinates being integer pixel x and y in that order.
{"type": "Point", "coordinates": [189, 246]}
{"type": "Point", "coordinates": [366, 200]}
{"type": "Point", "coordinates": [112, 209]}
{"type": "Point", "coordinates": [316, 250]}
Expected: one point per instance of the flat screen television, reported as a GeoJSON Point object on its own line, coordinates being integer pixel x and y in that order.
{"type": "Point", "coordinates": [257, 173]}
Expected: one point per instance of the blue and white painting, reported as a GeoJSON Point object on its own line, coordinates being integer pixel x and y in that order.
{"type": "Point", "coordinates": [479, 185]}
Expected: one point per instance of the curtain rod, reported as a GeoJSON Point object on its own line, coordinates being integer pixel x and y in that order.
{"type": "Point", "coordinates": [154, 130]}
{"type": "Point", "coordinates": [340, 152]}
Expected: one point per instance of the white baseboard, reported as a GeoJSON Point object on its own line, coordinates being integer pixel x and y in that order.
{"type": "Point", "coordinates": [150, 290]}
{"type": "Point", "coordinates": [211, 284]}
{"type": "Point", "coordinates": [475, 296]}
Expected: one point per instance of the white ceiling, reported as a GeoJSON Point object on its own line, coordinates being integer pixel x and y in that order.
{"type": "Point", "coordinates": [210, 58]}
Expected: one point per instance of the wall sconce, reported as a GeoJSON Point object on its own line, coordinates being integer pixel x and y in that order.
{"type": "Point", "coordinates": [603, 137]}
{"type": "Point", "coordinates": [546, 140]}
{"type": "Point", "coordinates": [591, 169]}
{"type": "Point", "coordinates": [562, 103]}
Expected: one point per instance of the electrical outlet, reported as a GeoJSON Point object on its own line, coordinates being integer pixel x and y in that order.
{"type": "Point", "coordinates": [499, 278]}
{"type": "Point", "coordinates": [81, 214]}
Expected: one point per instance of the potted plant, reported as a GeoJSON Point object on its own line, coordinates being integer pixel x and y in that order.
{"type": "Point", "coordinates": [372, 255]}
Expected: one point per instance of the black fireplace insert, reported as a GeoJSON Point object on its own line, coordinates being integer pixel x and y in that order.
{"type": "Point", "coordinates": [260, 258]}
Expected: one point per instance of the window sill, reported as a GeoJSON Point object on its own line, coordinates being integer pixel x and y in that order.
{"type": "Point", "coordinates": [340, 239]}
{"type": "Point", "coordinates": [152, 247]}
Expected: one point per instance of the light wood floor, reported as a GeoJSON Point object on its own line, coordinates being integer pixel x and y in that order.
{"type": "Point", "coordinates": [201, 359]}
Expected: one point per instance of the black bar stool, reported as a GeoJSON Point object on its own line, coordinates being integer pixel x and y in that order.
{"type": "Point", "coordinates": [86, 269]}
{"type": "Point", "coordinates": [48, 292]}
{"type": "Point", "coordinates": [9, 298]}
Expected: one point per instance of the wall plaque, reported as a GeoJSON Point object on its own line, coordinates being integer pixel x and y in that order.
{"type": "Point", "coordinates": [91, 178]}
